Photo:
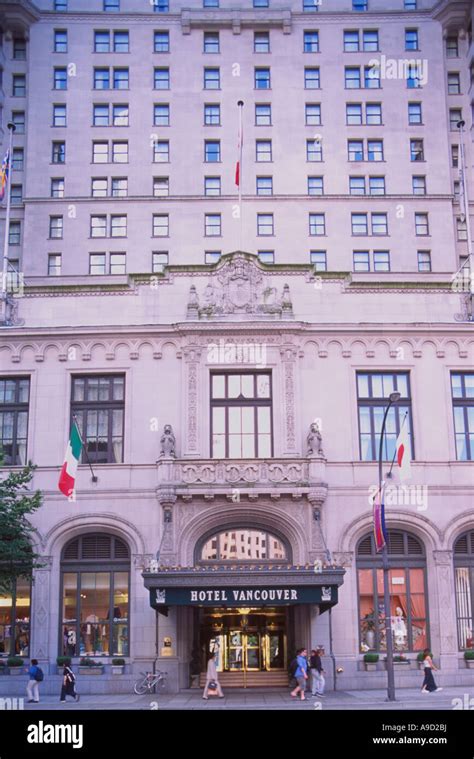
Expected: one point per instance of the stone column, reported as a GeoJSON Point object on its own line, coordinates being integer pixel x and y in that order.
{"type": "Point", "coordinates": [43, 645]}
{"type": "Point", "coordinates": [168, 659]}
{"type": "Point", "coordinates": [320, 639]}
{"type": "Point", "coordinates": [167, 499]}
{"type": "Point", "coordinates": [444, 639]}
{"type": "Point", "coordinates": [318, 552]}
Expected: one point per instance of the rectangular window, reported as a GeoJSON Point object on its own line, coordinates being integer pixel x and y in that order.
{"type": "Point", "coordinates": [454, 156]}
{"type": "Point", "coordinates": [261, 42]}
{"type": "Point", "coordinates": [58, 152]}
{"type": "Point", "coordinates": [360, 5]}
{"type": "Point", "coordinates": [263, 114]}
{"type": "Point", "coordinates": [424, 260]}
{"type": "Point", "coordinates": [419, 185]}
{"type": "Point", "coordinates": [356, 185]}
{"type": "Point", "coordinates": [461, 229]}
{"type": "Point", "coordinates": [18, 119]}
{"type": "Point", "coordinates": [373, 114]}
{"type": "Point", "coordinates": [241, 415]}
{"type": "Point", "coordinates": [212, 114]}
{"type": "Point", "coordinates": [359, 224]}
{"type": "Point", "coordinates": [265, 224]}
{"type": "Point", "coordinates": [411, 39]}
{"type": "Point", "coordinates": [373, 391]}
{"type": "Point", "coordinates": [54, 265]}
{"type": "Point", "coordinates": [14, 409]}
{"type": "Point", "coordinates": [462, 388]}
{"type": "Point", "coordinates": [212, 185]}
{"type": "Point", "coordinates": [161, 225]}
{"type": "Point", "coordinates": [118, 263]}
{"type": "Point", "coordinates": [352, 77]}
{"type": "Point", "coordinates": [161, 114]}
{"type": "Point", "coordinates": [119, 186]}
{"type": "Point", "coordinates": [381, 260]}
{"type": "Point", "coordinates": [413, 77]}
{"type": "Point", "coordinates": [60, 79]}
{"type": "Point", "coordinates": [14, 233]}
{"type": "Point", "coordinates": [59, 115]}
{"type": "Point", "coordinates": [212, 151]}
{"type": "Point", "coordinates": [262, 79]}
{"type": "Point", "coordinates": [102, 42]}
{"type": "Point", "coordinates": [161, 79]}
{"type": "Point", "coordinates": [121, 42]}
{"type": "Point", "coordinates": [354, 114]}
{"type": "Point", "coordinates": [266, 256]}
{"type": "Point", "coordinates": [60, 41]}
{"type": "Point", "coordinates": [311, 79]}
{"type": "Point", "coordinates": [319, 259]}
{"type": "Point", "coordinates": [119, 152]}
{"type": "Point", "coordinates": [355, 150]}
{"type": "Point", "coordinates": [372, 78]}
{"type": "Point", "coordinates": [161, 6]}
{"type": "Point", "coordinates": [455, 116]}
{"type": "Point", "coordinates": [97, 263]}
{"type": "Point", "coordinates": [161, 187]}
{"type": "Point", "coordinates": [375, 150]}
{"type": "Point", "coordinates": [314, 150]}
{"type": "Point", "coordinates": [261, 3]}
{"type": "Point", "coordinates": [18, 157]}
{"type": "Point", "coordinates": [379, 224]}
{"type": "Point", "coordinates": [212, 256]}
{"type": "Point", "coordinates": [16, 194]}
{"type": "Point", "coordinates": [452, 47]}
{"type": "Point", "coordinates": [121, 79]}
{"type": "Point", "coordinates": [98, 226]}
{"type": "Point", "coordinates": [351, 41]}
{"type": "Point", "coordinates": [376, 185]}
{"type": "Point", "coordinates": [57, 187]}
{"type": "Point", "coordinates": [315, 186]}
{"type": "Point", "coordinates": [159, 259]}
{"type": "Point", "coordinates": [162, 42]}
{"type": "Point", "coordinates": [19, 86]}
{"type": "Point", "coordinates": [414, 113]}
{"type": "Point", "coordinates": [161, 151]}
{"type": "Point", "coordinates": [361, 260]}
{"type": "Point", "coordinates": [212, 225]}
{"type": "Point", "coordinates": [264, 186]}
{"type": "Point", "coordinates": [60, 5]}
{"type": "Point", "coordinates": [211, 42]}
{"type": "Point", "coordinates": [311, 42]}
{"type": "Point", "coordinates": [370, 40]}
{"type": "Point", "coordinates": [120, 115]}
{"type": "Point", "coordinates": [111, 5]}
{"type": "Point", "coordinates": [311, 6]}
{"type": "Point", "coordinates": [100, 152]}
{"type": "Point", "coordinates": [313, 114]}
{"type": "Point", "coordinates": [118, 226]}
{"type": "Point", "coordinates": [100, 115]}
{"type": "Point", "coordinates": [317, 224]}
{"type": "Point", "coordinates": [416, 150]}
{"type": "Point", "coordinates": [99, 187]}
{"type": "Point", "coordinates": [454, 83]}
{"type": "Point", "coordinates": [421, 224]}
{"type": "Point", "coordinates": [98, 404]}
{"type": "Point", "coordinates": [212, 79]}
{"type": "Point", "coordinates": [56, 227]}
{"type": "Point", "coordinates": [263, 151]}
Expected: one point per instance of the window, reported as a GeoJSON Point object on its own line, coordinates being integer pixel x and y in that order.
{"type": "Point", "coordinates": [118, 226]}
{"type": "Point", "coordinates": [373, 390]}
{"type": "Point", "coordinates": [118, 263]}
{"type": "Point", "coordinates": [99, 187]}
{"type": "Point", "coordinates": [314, 150]}
{"type": "Point", "coordinates": [372, 78]}
{"type": "Point", "coordinates": [454, 83]}
{"type": "Point", "coordinates": [261, 42]}
{"type": "Point", "coordinates": [97, 263]}
{"type": "Point", "coordinates": [455, 115]}
{"type": "Point", "coordinates": [351, 42]}
{"type": "Point", "coordinates": [381, 260]}
{"type": "Point", "coordinates": [100, 115]}
{"type": "Point", "coordinates": [262, 79]}
{"type": "Point", "coordinates": [464, 584]}
{"type": "Point", "coordinates": [101, 79]}
{"type": "Point", "coordinates": [454, 156]}
{"type": "Point", "coordinates": [210, 3]}
{"type": "Point", "coordinates": [424, 260]}
{"type": "Point", "coordinates": [100, 152]}
{"type": "Point", "coordinates": [243, 545]}
{"type": "Point", "coordinates": [54, 265]}
{"type": "Point", "coordinates": [60, 41]}
{"type": "Point", "coordinates": [212, 256]}
{"type": "Point", "coordinates": [211, 42]}
{"type": "Point", "coordinates": [263, 151]}
{"type": "Point", "coordinates": [14, 233]}
{"type": "Point", "coordinates": [313, 114]}
{"type": "Point", "coordinates": [452, 47]}
{"type": "Point", "coordinates": [212, 225]}
{"type": "Point", "coordinates": [414, 113]}
{"type": "Point", "coordinates": [317, 224]}
{"type": "Point", "coordinates": [57, 188]}
{"type": "Point", "coordinates": [111, 5]}
{"type": "Point", "coordinates": [379, 224]}
{"type": "Point", "coordinates": [359, 224]}
{"type": "Point", "coordinates": [121, 42]}
{"type": "Point", "coordinates": [421, 224]}
{"type": "Point", "coordinates": [263, 114]}
{"type": "Point", "coordinates": [18, 159]}
{"type": "Point", "coordinates": [373, 113]}
{"type": "Point", "coordinates": [158, 261]}
{"type": "Point", "coordinates": [161, 151]}
{"type": "Point", "coordinates": [119, 152]}
{"type": "Point", "coordinates": [311, 78]}
{"type": "Point", "coordinates": [375, 150]}
{"type": "Point", "coordinates": [161, 114]}
{"type": "Point", "coordinates": [413, 77]}
{"type": "Point", "coordinates": [311, 42]}
{"type": "Point", "coordinates": [355, 150]}
{"type": "Point", "coordinates": [18, 86]}
{"type": "Point", "coordinates": [419, 185]}
{"type": "Point", "coordinates": [353, 114]}
{"type": "Point", "coordinates": [120, 115]}
{"type": "Point", "coordinates": [376, 185]}
{"type": "Point", "coordinates": [16, 194]}
{"type": "Point", "coordinates": [15, 608]}
{"type": "Point", "coordinates": [315, 186]}
{"type": "Point", "coordinates": [121, 79]}
{"type": "Point", "coordinates": [461, 229]}
{"type": "Point", "coordinates": [411, 39]}
{"type": "Point", "coordinates": [360, 5]}
{"type": "Point", "coordinates": [319, 259]}
{"type": "Point", "coordinates": [19, 49]}
{"type": "Point", "coordinates": [311, 6]}
{"type": "Point", "coordinates": [60, 79]}
{"type": "Point", "coordinates": [56, 227]}
{"type": "Point", "coordinates": [161, 225]}
{"type": "Point", "coordinates": [265, 225]}
{"type": "Point", "coordinates": [99, 226]}
{"type": "Point", "coordinates": [212, 185]}
{"type": "Point", "coordinates": [161, 79]}
{"type": "Point", "coordinates": [59, 152]}
{"type": "Point", "coordinates": [212, 151]}
{"type": "Point", "coordinates": [410, 5]}
{"type": "Point", "coordinates": [102, 42]}
{"type": "Point", "coordinates": [266, 256]}
{"type": "Point", "coordinates": [161, 187]}
{"type": "Point", "coordinates": [14, 408]}
{"type": "Point", "coordinates": [416, 150]}
{"type": "Point", "coordinates": [161, 6]}
{"type": "Point", "coordinates": [18, 119]}
{"type": "Point", "coordinates": [212, 115]}
{"type": "Point", "coordinates": [356, 185]}
{"type": "Point", "coordinates": [352, 77]}
{"type": "Point", "coordinates": [264, 185]}
{"type": "Point", "coordinates": [408, 595]}
{"type": "Point", "coordinates": [261, 3]}
{"type": "Point", "coordinates": [370, 40]}
{"type": "Point", "coordinates": [162, 42]}
{"type": "Point", "coordinates": [212, 79]}
{"type": "Point", "coordinates": [95, 568]}
{"type": "Point", "coordinates": [60, 5]}
{"type": "Point", "coordinates": [361, 260]}
{"type": "Point", "coordinates": [241, 411]}
{"type": "Point", "coordinates": [59, 115]}
{"type": "Point", "coordinates": [119, 190]}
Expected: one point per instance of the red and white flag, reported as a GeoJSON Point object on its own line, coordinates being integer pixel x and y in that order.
{"type": "Point", "coordinates": [238, 165]}
{"type": "Point", "coordinates": [403, 452]}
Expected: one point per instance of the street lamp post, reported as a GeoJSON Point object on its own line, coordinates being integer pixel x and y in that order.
{"type": "Point", "coordinates": [393, 398]}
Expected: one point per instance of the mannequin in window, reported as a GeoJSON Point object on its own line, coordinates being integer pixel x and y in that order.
{"type": "Point", "coordinates": [399, 628]}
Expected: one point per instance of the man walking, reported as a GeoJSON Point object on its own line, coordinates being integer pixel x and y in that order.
{"type": "Point", "coordinates": [36, 676]}
{"type": "Point", "coordinates": [301, 673]}
{"type": "Point", "coordinates": [317, 674]}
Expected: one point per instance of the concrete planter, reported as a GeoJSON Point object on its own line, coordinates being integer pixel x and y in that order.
{"type": "Point", "coordinates": [118, 669]}
{"type": "Point", "coordinates": [99, 670]}
{"type": "Point", "coordinates": [15, 671]}
{"type": "Point", "coordinates": [469, 663]}
{"type": "Point", "coordinates": [370, 666]}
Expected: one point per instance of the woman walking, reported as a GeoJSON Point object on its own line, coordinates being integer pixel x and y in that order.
{"type": "Point", "coordinates": [68, 686]}
{"type": "Point", "coordinates": [429, 685]}
{"type": "Point", "coordinates": [212, 681]}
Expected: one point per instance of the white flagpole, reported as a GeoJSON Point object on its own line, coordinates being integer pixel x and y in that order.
{"type": "Point", "coordinates": [465, 194]}
{"type": "Point", "coordinates": [11, 128]}
{"type": "Point", "coordinates": [240, 105]}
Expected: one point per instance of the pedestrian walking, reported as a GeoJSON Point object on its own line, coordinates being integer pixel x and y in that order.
{"type": "Point", "coordinates": [212, 680]}
{"type": "Point", "coordinates": [301, 673]}
{"type": "Point", "coordinates": [317, 674]}
{"type": "Point", "coordinates": [429, 685]}
{"type": "Point", "coordinates": [68, 687]}
{"type": "Point", "coordinates": [36, 677]}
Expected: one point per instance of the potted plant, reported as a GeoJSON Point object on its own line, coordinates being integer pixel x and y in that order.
{"type": "Point", "coordinates": [118, 666]}
{"type": "Point", "coordinates": [63, 661]}
{"type": "Point", "coordinates": [370, 661]}
{"type": "Point", "coordinates": [469, 659]}
{"type": "Point", "coordinates": [368, 628]}
{"type": "Point", "coordinates": [15, 664]}
{"type": "Point", "coordinates": [90, 666]}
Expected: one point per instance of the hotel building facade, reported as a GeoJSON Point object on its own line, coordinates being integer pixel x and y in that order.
{"type": "Point", "coordinates": [229, 363]}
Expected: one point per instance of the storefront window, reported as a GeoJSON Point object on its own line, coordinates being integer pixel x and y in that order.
{"type": "Point", "coordinates": [95, 597]}
{"type": "Point", "coordinates": [464, 583]}
{"type": "Point", "coordinates": [15, 620]}
{"type": "Point", "coordinates": [407, 594]}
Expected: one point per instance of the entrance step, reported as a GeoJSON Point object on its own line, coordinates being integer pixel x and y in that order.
{"type": "Point", "coordinates": [249, 679]}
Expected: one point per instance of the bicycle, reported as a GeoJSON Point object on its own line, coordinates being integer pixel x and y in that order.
{"type": "Point", "coordinates": [148, 681]}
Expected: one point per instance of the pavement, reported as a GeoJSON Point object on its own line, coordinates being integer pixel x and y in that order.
{"type": "Point", "coordinates": [449, 698]}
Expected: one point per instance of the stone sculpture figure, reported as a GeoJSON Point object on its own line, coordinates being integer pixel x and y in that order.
{"type": "Point", "coordinates": [314, 441]}
{"type": "Point", "coordinates": [168, 443]}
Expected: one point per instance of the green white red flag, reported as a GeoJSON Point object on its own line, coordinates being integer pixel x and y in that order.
{"type": "Point", "coordinates": [67, 478]}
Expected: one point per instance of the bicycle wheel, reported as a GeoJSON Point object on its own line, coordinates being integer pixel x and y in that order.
{"type": "Point", "coordinates": [141, 687]}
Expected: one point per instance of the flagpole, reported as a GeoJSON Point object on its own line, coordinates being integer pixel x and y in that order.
{"type": "Point", "coordinates": [461, 124]}
{"type": "Point", "coordinates": [84, 448]}
{"type": "Point", "coordinates": [240, 105]}
{"type": "Point", "coordinates": [11, 127]}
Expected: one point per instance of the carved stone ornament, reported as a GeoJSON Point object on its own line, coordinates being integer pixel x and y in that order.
{"type": "Point", "coordinates": [314, 441]}
{"type": "Point", "coordinates": [168, 443]}
{"type": "Point", "coordinates": [239, 287]}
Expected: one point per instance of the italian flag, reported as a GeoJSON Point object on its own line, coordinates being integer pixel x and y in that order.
{"type": "Point", "coordinates": [403, 452]}
{"type": "Point", "coordinates": [67, 478]}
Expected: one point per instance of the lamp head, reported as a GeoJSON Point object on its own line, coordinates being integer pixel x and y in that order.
{"type": "Point", "coordinates": [394, 397]}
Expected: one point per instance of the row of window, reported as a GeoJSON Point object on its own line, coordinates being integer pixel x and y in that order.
{"type": "Point", "coordinates": [241, 413]}
{"type": "Point", "coordinates": [162, 6]}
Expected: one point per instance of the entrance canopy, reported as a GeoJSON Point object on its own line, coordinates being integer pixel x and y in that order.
{"type": "Point", "coordinates": [237, 586]}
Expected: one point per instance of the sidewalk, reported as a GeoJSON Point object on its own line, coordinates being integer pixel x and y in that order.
{"type": "Point", "coordinates": [407, 698]}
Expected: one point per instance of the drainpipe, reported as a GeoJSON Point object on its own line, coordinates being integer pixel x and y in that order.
{"type": "Point", "coordinates": [331, 653]}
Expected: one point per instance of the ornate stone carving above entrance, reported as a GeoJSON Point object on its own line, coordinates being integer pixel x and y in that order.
{"type": "Point", "coordinates": [239, 286]}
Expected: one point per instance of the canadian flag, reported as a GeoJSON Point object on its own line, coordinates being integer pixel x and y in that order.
{"type": "Point", "coordinates": [239, 159]}
{"type": "Point", "coordinates": [403, 452]}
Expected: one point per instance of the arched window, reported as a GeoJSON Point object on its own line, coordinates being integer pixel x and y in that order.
{"type": "Point", "coordinates": [243, 544]}
{"type": "Point", "coordinates": [15, 619]}
{"type": "Point", "coordinates": [408, 608]}
{"type": "Point", "coordinates": [95, 575]}
{"type": "Point", "coordinates": [464, 581]}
